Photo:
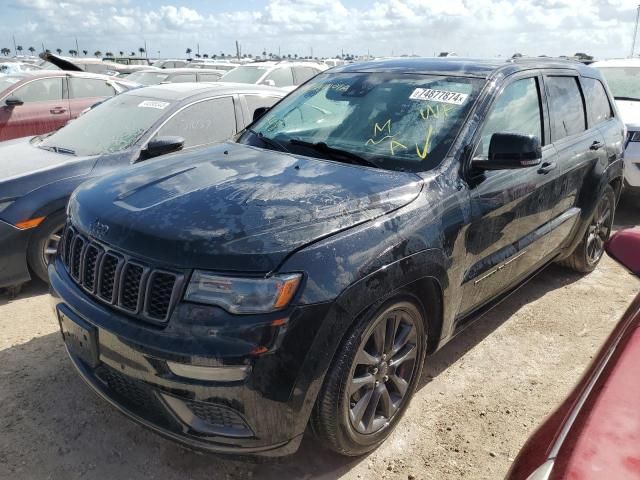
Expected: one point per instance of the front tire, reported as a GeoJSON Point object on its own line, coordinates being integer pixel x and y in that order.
{"type": "Point", "coordinates": [372, 379]}
{"type": "Point", "coordinates": [589, 251]}
{"type": "Point", "coordinates": [44, 243]}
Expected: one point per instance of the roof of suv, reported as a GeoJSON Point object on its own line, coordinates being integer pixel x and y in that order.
{"type": "Point", "coordinates": [482, 68]}
{"type": "Point", "coordinates": [182, 91]}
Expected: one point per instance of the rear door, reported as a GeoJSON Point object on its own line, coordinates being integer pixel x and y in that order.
{"type": "Point", "coordinates": [580, 146]}
{"type": "Point", "coordinates": [85, 92]}
{"type": "Point", "coordinates": [45, 109]}
{"type": "Point", "coordinates": [510, 208]}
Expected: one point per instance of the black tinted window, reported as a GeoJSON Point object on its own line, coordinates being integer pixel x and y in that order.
{"type": "Point", "coordinates": [87, 87]}
{"type": "Point", "coordinates": [597, 101]}
{"type": "Point", "coordinates": [203, 122]}
{"type": "Point", "coordinates": [516, 110]}
{"type": "Point", "coordinates": [182, 78]}
{"type": "Point", "coordinates": [565, 104]}
{"type": "Point", "coordinates": [45, 90]}
{"type": "Point", "coordinates": [281, 77]}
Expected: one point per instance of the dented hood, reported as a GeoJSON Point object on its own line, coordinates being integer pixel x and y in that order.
{"type": "Point", "coordinates": [233, 207]}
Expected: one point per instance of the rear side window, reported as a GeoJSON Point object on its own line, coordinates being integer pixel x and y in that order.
{"type": "Point", "coordinates": [282, 77]}
{"type": "Point", "coordinates": [566, 107]}
{"type": "Point", "coordinates": [597, 101]}
{"type": "Point", "coordinates": [517, 110]}
{"type": "Point", "coordinates": [258, 101]}
{"type": "Point", "coordinates": [203, 122]}
{"type": "Point", "coordinates": [304, 73]}
{"type": "Point", "coordinates": [209, 77]}
{"type": "Point", "coordinates": [182, 78]}
{"type": "Point", "coordinates": [45, 90]}
{"type": "Point", "coordinates": [87, 88]}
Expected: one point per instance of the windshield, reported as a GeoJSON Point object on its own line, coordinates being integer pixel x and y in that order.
{"type": "Point", "coordinates": [397, 122]}
{"type": "Point", "coordinates": [148, 78]}
{"type": "Point", "coordinates": [623, 81]}
{"type": "Point", "coordinates": [110, 127]}
{"type": "Point", "coordinates": [244, 74]}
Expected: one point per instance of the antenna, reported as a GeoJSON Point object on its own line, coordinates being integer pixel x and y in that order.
{"type": "Point", "coordinates": [635, 31]}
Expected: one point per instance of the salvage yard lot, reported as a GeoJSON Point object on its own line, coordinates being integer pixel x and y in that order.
{"type": "Point", "coordinates": [479, 399]}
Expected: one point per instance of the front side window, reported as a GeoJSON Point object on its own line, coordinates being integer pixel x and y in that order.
{"type": "Point", "coordinates": [88, 87]}
{"type": "Point", "coordinates": [110, 127]}
{"type": "Point", "coordinates": [397, 122]}
{"type": "Point", "coordinates": [566, 107]}
{"type": "Point", "coordinates": [516, 110]}
{"type": "Point", "coordinates": [281, 77]}
{"type": "Point", "coordinates": [202, 123]}
{"type": "Point", "coordinates": [597, 101]}
{"type": "Point", "coordinates": [44, 90]}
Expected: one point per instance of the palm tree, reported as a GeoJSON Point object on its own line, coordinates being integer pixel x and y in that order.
{"type": "Point", "coordinates": [204, 55]}
{"type": "Point", "coordinates": [109, 54]}
{"type": "Point", "coordinates": [189, 52]}
{"type": "Point", "coordinates": [19, 48]}
{"type": "Point", "coordinates": [97, 53]}
{"type": "Point", "coordinates": [214, 56]}
{"type": "Point", "coordinates": [47, 51]}
{"type": "Point", "coordinates": [32, 50]}
{"type": "Point", "coordinates": [141, 50]}
{"type": "Point", "coordinates": [121, 53]}
{"type": "Point", "coordinates": [222, 54]}
{"type": "Point", "coordinates": [5, 51]}
{"type": "Point", "coordinates": [197, 55]}
{"type": "Point", "coordinates": [85, 52]}
{"type": "Point", "coordinates": [73, 53]}
{"type": "Point", "coordinates": [264, 53]}
{"type": "Point", "coordinates": [133, 54]}
{"type": "Point", "coordinates": [59, 50]}
{"type": "Point", "coordinates": [295, 56]}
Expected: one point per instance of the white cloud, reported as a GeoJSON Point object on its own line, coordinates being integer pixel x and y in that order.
{"type": "Point", "coordinates": [469, 27]}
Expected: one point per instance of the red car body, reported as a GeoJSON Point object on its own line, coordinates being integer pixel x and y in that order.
{"type": "Point", "coordinates": [50, 99]}
{"type": "Point", "coordinates": [595, 433]}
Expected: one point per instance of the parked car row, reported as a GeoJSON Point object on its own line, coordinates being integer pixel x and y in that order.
{"type": "Point", "coordinates": [293, 262]}
{"type": "Point", "coordinates": [299, 274]}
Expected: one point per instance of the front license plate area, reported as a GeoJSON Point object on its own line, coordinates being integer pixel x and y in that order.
{"type": "Point", "coordinates": [80, 337]}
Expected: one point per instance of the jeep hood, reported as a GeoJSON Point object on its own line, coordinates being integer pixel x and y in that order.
{"type": "Point", "coordinates": [233, 207]}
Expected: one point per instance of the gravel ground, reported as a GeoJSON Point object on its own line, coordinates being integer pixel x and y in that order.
{"type": "Point", "coordinates": [480, 397]}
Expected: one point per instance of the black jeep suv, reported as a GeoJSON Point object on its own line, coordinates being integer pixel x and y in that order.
{"type": "Point", "coordinates": [229, 297]}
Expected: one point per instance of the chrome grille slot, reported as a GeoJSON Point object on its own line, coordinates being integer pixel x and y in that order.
{"type": "Point", "coordinates": [119, 280]}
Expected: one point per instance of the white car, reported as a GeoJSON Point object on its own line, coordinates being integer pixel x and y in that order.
{"type": "Point", "coordinates": [623, 78]}
{"type": "Point", "coordinates": [287, 75]}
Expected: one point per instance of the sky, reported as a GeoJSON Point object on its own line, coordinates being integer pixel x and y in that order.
{"type": "Point", "coordinates": [324, 28]}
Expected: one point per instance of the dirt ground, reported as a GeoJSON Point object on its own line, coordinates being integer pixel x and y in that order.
{"type": "Point", "coordinates": [480, 397]}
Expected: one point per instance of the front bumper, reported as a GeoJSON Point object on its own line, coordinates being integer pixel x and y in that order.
{"type": "Point", "coordinates": [263, 414]}
{"type": "Point", "coordinates": [13, 255]}
{"type": "Point", "coordinates": [632, 165]}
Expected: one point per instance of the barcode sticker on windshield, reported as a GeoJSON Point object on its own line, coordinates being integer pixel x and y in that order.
{"type": "Point", "coordinates": [441, 96]}
{"type": "Point", "coordinates": [153, 104]}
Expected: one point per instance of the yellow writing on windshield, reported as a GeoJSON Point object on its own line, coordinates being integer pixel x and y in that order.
{"type": "Point", "coordinates": [440, 110]}
{"type": "Point", "coordinates": [378, 129]}
{"type": "Point", "coordinates": [427, 144]}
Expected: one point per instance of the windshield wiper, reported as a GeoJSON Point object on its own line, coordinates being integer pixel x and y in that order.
{"type": "Point", "coordinates": [66, 151]}
{"type": "Point", "coordinates": [633, 99]}
{"type": "Point", "coordinates": [269, 141]}
{"type": "Point", "coordinates": [334, 152]}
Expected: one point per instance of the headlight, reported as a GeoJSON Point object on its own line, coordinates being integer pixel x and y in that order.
{"type": "Point", "coordinates": [633, 136]}
{"type": "Point", "coordinates": [243, 294]}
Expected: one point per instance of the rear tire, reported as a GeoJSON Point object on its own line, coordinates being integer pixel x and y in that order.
{"type": "Point", "coordinates": [372, 379]}
{"type": "Point", "coordinates": [43, 244]}
{"type": "Point", "coordinates": [587, 255]}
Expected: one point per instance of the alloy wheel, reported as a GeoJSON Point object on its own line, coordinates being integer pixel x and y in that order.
{"type": "Point", "coordinates": [382, 372]}
{"type": "Point", "coordinates": [599, 230]}
{"type": "Point", "coordinates": [51, 245]}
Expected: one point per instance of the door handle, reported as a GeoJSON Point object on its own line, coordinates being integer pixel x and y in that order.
{"type": "Point", "coordinates": [57, 110]}
{"type": "Point", "coordinates": [546, 167]}
{"type": "Point", "coordinates": [596, 145]}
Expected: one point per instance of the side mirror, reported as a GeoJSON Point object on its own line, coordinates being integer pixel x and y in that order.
{"type": "Point", "coordinates": [269, 83]}
{"type": "Point", "coordinates": [13, 102]}
{"type": "Point", "coordinates": [511, 150]}
{"type": "Point", "coordinates": [162, 146]}
{"type": "Point", "coordinates": [259, 112]}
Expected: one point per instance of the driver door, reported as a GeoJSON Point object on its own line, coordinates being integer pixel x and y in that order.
{"type": "Point", "coordinates": [509, 207]}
